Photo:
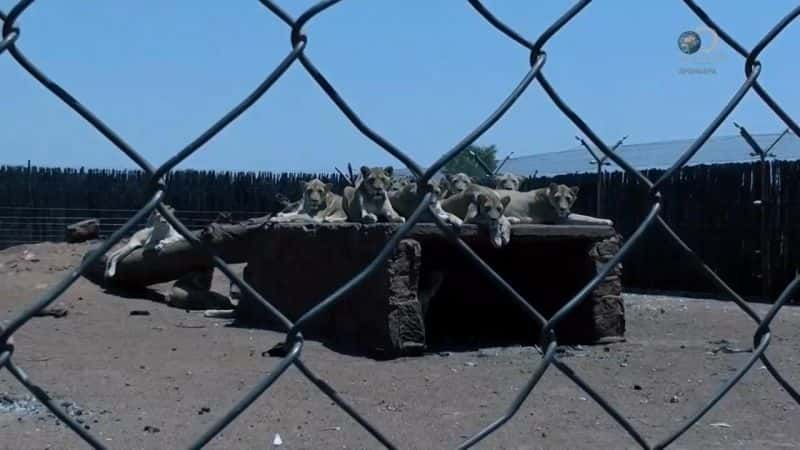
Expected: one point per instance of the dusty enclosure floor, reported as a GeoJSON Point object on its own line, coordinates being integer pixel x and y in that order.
{"type": "Point", "coordinates": [157, 381]}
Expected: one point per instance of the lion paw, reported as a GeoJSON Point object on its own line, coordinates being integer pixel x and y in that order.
{"type": "Point", "coordinates": [369, 218]}
{"type": "Point", "coordinates": [455, 221]}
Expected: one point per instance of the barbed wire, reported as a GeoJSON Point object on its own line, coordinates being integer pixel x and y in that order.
{"type": "Point", "coordinates": [155, 188]}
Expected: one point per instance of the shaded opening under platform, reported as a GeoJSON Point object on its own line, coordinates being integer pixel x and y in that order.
{"type": "Point", "coordinates": [469, 310]}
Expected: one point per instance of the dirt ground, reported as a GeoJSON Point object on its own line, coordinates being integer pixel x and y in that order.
{"type": "Point", "coordinates": [157, 381]}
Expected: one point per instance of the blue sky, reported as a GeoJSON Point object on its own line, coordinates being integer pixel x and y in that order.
{"type": "Point", "coordinates": [423, 73]}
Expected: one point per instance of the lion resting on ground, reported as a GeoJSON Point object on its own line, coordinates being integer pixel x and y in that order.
{"type": "Point", "coordinates": [368, 201]}
{"type": "Point", "coordinates": [548, 205]}
{"type": "Point", "coordinates": [318, 204]}
{"type": "Point", "coordinates": [483, 206]}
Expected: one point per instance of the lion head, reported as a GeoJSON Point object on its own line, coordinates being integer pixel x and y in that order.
{"type": "Point", "coordinates": [376, 181]}
{"type": "Point", "coordinates": [487, 207]}
{"type": "Point", "coordinates": [507, 181]}
{"type": "Point", "coordinates": [561, 198]}
{"type": "Point", "coordinates": [315, 193]}
{"type": "Point", "coordinates": [398, 183]}
{"type": "Point", "coordinates": [458, 183]}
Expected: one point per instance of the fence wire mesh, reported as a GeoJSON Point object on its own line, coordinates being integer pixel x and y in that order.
{"type": "Point", "coordinates": [294, 339]}
{"type": "Point", "coordinates": [23, 225]}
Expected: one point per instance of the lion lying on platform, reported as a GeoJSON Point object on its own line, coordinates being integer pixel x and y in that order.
{"type": "Point", "coordinates": [398, 183]}
{"type": "Point", "coordinates": [455, 183]}
{"type": "Point", "coordinates": [318, 204]}
{"type": "Point", "coordinates": [548, 205]}
{"type": "Point", "coordinates": [406, 199]}
{"type": "Point", "coordinates": [507, 181]}
{"type": "Point", "coordinates": [368, 201]}
{"type": "Point", "coordinates": [483, 206]}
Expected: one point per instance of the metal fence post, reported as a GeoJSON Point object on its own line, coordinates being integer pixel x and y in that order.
{"type": "Point", "coordinates": [764, 205]}
{"type": "Point", "coordinates": [599, 161]}
{"type": "Point", "coordinates": [502, 163]}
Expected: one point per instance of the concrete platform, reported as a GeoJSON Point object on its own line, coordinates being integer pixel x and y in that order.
{"type": "Point", "coordinates": [428, 294]}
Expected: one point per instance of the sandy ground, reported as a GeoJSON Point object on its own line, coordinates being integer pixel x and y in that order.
{"type": "Point", "coordinates": [157, 381]}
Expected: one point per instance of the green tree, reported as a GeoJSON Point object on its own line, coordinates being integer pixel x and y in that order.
{"type": "Point", "coordinates": [466, 163]}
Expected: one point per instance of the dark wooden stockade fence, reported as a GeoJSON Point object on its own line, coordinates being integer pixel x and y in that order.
{"type": "Point", "coordinates": [711, 207]}
{"type": "Point", "coordinates": [122, 189]}
{"type": "Point", "coordinates": [37, 203]}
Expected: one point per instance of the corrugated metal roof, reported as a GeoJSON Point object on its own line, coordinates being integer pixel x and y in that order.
{"type": "Point", "coordinates": [656, 155]}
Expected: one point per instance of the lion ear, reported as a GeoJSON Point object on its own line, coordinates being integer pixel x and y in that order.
{"type": "Point", "coordinates": [304, 184]}
{"type": "Point", "coordinates": [553, 187]}
{"type": "Point", "coordinates": [364, 170]}
{"type": "Point", "coordinates": [389, 170]}
{"type": "Point", "coordinates": [574, 190]}
{"type": "Point", "coordinates": [481, 198]}
{"type": "Point", "coordinates": [505, 201]}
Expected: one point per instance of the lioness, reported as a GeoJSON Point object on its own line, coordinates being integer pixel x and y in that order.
{"type": "Point", "coordinates": [455, 183]}
{"type": "Point", "coordinates": [507, 181]}
{"type": "Point", "coordinates": [368, 201]}
{"type": "Point", "coordinates": [399, 183]}
{"type": "Point", "coordinates": [481, 205]}
{"type": "Point", "coordinates": [406, 199]}
{"type": "Point", "coordinates": [318, 204]}
{"type": "Point", "coordinates": [157, 234]}
{"type": "Point", "coordinates": [548, 205]}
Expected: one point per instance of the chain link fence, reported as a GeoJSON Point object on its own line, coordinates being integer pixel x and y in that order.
{"type": "Point", "coordinates": [294, 339]}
